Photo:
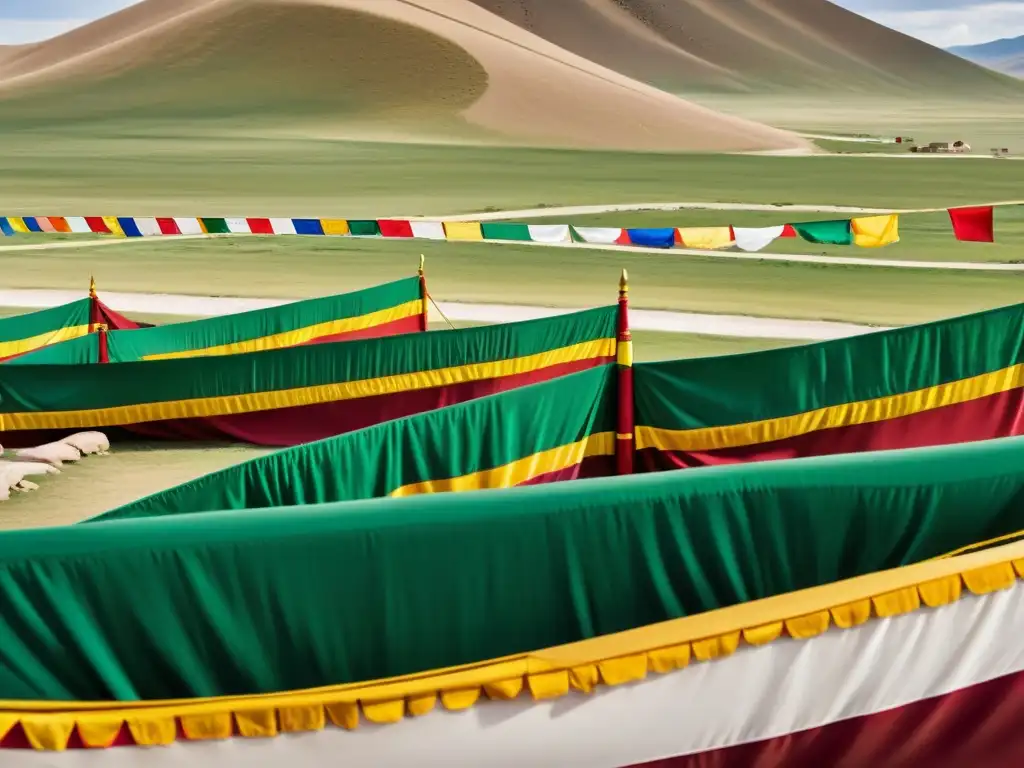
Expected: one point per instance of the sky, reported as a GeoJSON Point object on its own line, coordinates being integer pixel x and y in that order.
{"type": "Point", "coordinates": [941, 22]}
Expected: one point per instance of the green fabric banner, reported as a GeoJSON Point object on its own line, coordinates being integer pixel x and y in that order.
{"type": "Point", "coordinates": [216, 226]}
{"type": "Point", "coordinates": [736, 389]}
{"type": "Point", "coordinates": [450, 443]}
{"type": "Point", "coordinates": [84, 350]}
{"type": "Point", "coordinates": [365, 228]}
{"type": "Point", "coordinates": [43, 322]}
{"type": "Point", "coordinates": [236, 603]}
{"type": "Point", "coordinates": [826, 232]}
{"type": "Point", "coordinates": [128, 346]}
{"type": "Point", "coordinates": [47, 388]}
{"type": "Point", "coordinates": [502, 231]}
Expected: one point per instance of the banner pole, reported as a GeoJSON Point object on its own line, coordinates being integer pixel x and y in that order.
{"type": "Point", "coordinates": [624, 363]}
{"type": "Point", "coordinates": [424, 296]}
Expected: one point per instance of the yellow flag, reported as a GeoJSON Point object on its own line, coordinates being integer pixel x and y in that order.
{"type": "Point", "coordinates": [334, 226]}
{"type": "Point", "coordinates": [113, 225]}
{"type": "Point", "coordinates": [705, 238]}
{"type": "Point", "coordinates": [463, 230]}
{"type": "Point", "coordinates": [876, 231]}
{"type": "Point", "coordinates": [18, 224]}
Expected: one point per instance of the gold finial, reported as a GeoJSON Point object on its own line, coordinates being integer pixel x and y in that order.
{"type": "Point", "coordinates": [92, 287]}
{"type": "Point", "coordinates": [624, 282]}
{"type": "Point", "coordinates": [422, 261]}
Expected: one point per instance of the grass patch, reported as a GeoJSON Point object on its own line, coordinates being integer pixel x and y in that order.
{"type": "Point", "coordinates": [520, 274]}
{"type": "Point", "coordinates": [99, 483]}
{"type": "Point", "coordinates": [153, 173]}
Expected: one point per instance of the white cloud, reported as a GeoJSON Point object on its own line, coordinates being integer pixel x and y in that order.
{"type": "Point", "coordinates": [946, 27]}
{"type": "Point", "coordinates": [18, 31]}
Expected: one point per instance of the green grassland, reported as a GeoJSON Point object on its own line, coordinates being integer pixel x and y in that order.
{"type": "Point", "coordinates": [153, 173]}
{"type": "Point", "coordinates": [293, 267]}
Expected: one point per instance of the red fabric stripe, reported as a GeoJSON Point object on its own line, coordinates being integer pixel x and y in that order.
{"type": "Point", "coordinates": [976, 726]}
{"type": "Point", "coordinates": [404, 325]}
{"type": "Point", "coordinates": [96, 224]}
{"type": "Point", "coordinates": [1000, 415]}
{"type": "Point", "coordinates": [679, 238]}
{"type": "Point", "coordinates": [788, 231]}
{"type": "Point", "coordinates": [623, 239]}
{"type": "Point", "coordinates": [974, 225]}
{"type": "Point", "coordinates": [394, 228]}
{"type": "Point", "coordinates": [260, 226]}
{"type": "Point", "coordinates": [168, 227]}
{"type": "Point", "coordinates": [115, 321]}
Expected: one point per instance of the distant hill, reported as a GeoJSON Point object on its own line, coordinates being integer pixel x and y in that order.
{"type": "Point", "coordinates": [1006, 55]}
{"type": "Point", "coordinates": [419, 68]}
{"type": "Point", "coordinates": [762, 46]}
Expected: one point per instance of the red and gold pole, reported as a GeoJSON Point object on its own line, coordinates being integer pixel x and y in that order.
{"type": "Point", "coordinates": [624, 360]}
{"type": "Point", "coordinates": [97, 324]}
{"type": "Point", "coordinates": [424, 296]}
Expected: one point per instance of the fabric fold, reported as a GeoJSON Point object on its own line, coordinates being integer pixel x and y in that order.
{"type": "Point", "coordinates": [601, 235]}
{"type": "Point", "coordinates": [876, 231]}
{"type": "Point", "coordinates": [549, 233]}
{"type": "Point", "coordinates": [756, 238]}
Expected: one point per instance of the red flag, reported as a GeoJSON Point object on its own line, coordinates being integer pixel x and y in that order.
{"type": "Point", "coordinates": [394, 228]}
{"type": "Point", "coordinates": [168, 226]}
{"type": "Point", "coordinates": [788, 231]}
{"type": "Point", "coordinates": [260, 226]}
{"type": "Point", "coordinates": [973, 225]}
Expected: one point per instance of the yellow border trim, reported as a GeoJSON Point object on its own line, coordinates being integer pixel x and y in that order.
{"type": "Point", "coordinates": [848, 414]}
{"type": "Point", "coordinates": [321, 393]}
{"type": "Point", "coordinates": [610, 660]}
{"type": "Point", "coordinates": [304, 335]}
{"type": "Point", "coordinates": [521, 470]}
{"type": "Point", "coordinates": [32, 343]}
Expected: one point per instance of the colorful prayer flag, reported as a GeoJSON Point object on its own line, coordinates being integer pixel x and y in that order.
{"type": "Point", "coordinates": [653, 237]}
{"type": "Point", "coordinates": [973, 225]}
{"type": "Point", "coordinates": [549, 233]}
{"type": "Point", "coordinates": [826, 232]}
{"type": "Point", "coordinates": [756, 238]}
{"type": "Point", "coordinates": [876, 231]}
{"type": "Point", "coordinates": [500, 230]}
{"type": "Point", "coordinates": [706, 238]}
{"type": "Point", "coordinates": [601, 235]}
{"type": "Point", "coordinates": [463, 230]}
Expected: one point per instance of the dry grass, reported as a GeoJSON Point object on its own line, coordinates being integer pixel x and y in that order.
{"type": "Point", "coordinates": [99, 483]}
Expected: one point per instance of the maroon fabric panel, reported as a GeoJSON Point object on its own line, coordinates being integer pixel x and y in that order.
{"type": "Point", "coordinates": [976, 726]}
{"type": "Point", "coordinates": [115, 321]}
{"type": "Point", "coordinates": [1000, 415]}
{"type": "Point", "coordinates": [306, 423]}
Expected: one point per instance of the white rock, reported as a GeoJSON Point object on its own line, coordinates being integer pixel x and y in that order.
{"type": "Point", "coordinates": [89, 442]}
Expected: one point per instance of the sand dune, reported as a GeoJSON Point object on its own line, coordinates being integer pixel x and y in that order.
{"type": "Point", "coordinates": [748, 45]}
{"type": "Point", "coordinates": [423, 64]}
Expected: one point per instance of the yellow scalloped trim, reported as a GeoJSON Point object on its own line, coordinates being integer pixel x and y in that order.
{"type": "Point", "coordinates": [549, 674]}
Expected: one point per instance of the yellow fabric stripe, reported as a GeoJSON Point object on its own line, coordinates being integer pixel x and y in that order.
{"type": "Point", "coordinates": [113, 225]}
{"type": "Point", "coordinates": [519, 471]}
{"type": "Point", "coordinates": [303, 335]}
{"type": "Point", "coordinates": [21, 346]}
{"type": "Point", "coordinates": [321, 393]}
{"type": "Point", "coordinates": [334, 226]}
{"type": "Point", "coordinates": [18, 224]}
{"type": "Point", "coordinates": [463, 230]}
{"type": "Point", "coordinates": [845, 415]}
{"type": "Point", "coordinates": [609, 660]}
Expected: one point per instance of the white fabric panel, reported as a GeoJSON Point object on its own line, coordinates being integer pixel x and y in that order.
{"type": "Point", "coordinates": [282, 226]}
{"type": "Point", "coordinates": [550, 233]}
{"type": "Point", "coordinates": [188, 226]}
{"type": "Point", "coordinates": [600, 235]}
{"type": "Point", "coordinates": [428, 230]}
{"type": "Point", "coordinates": [758, 693]}
{"type": "Point", "coordinates": [758, 238]}
{"type": "Point", "coordinates": [78, 224]}
{"type": "Point", "coordinates": [148, 226]}
{"type": "Point", "coordinates": [238, 226]}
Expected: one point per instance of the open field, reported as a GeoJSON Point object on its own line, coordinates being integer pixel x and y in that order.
{"type": "Point", "coordinates": [531, 275]}
{"type": "Point", "coordinates": [98, 483]}
{"type": "Point", "coordinates": [194, 174]}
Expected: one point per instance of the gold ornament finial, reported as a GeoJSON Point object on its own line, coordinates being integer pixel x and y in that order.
{"type": "Point", "coordinates": [624, 282]}
{"type": "Point", "coordinates": [423, 260]}
{"type": "Point", "coordinates": [92, 287]}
